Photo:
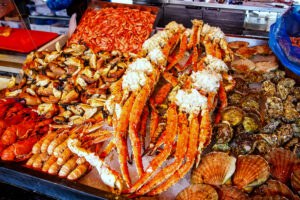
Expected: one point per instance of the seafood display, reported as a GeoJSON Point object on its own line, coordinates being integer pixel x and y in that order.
{"type": "Point", "coordinates": [108, 29]}
{"type": "Point", "coordinates": [181, 101]}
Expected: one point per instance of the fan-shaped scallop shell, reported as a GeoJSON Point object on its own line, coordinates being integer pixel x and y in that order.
{"type": "Point", "coordinates": [231, 193]}
{"type": "Point", "coordinates": [198, 192]}
{"type": "Point", "coordinates": [295, 180]}
{"type": "Point", "coordinates": [274, 187]}
{"type": "Point", "coordinates": [282, 163]}
{"type": "Point", "coordinates": [276, 197]}
{"type": "Point", "coordinates": [215, 169]}
{"type": "Point", "coordinates": [251, 170]}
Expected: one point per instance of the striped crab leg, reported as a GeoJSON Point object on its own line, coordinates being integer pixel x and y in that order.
{"type": "Point", "coordinates": [134, 119]}
{"type": "Point", "coordinates": [191, 154]}
{"type": "Point", "coordinates": [182, 49]}
{"type": "Point", "coordinates": [120, 138]}
{"type": "Point", "coordinates": [205, 132]}
{"type": "Point", "coordinates": [223, 98]}
{"type": "Point", "coordinates": [161, 157]}
{"type": "Point", "coordinates": [181, 147]}
{"type": "Point", "coordinates": [110, 146]}
{"type": "Point", "coordinates": [144, 126]}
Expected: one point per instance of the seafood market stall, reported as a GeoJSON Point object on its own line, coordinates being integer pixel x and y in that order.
{"type": "Point", "coordinates": [124, 110]}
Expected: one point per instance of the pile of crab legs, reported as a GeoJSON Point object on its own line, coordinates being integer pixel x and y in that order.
{"type": "Point", "coordinates": [190, 124]}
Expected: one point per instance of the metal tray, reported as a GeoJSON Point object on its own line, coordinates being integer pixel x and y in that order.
{"type": "Point", "coordinates": [16, 174]}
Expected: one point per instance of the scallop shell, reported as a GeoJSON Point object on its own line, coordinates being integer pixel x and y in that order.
{"type": "Point", "coordinates": [198, 192]}
{"type": "Point", "coordinates": [276, 197]}
{"type": "Point", "coordinates": [266, 66]}
{"type": "Point", "coordinates": [231, 193]}
{"type": "Point", "coordinates": [282, 163]}
{"type": "Point", "coordinates": [295, 180]}
{"type": "Point", "coordinates": [251, 170]}
{"type": "Point", "coordinates": [242, 65]}
{"type": "Point", "coordinates": [274, 187]}
{"type": "Point", "coordinates": [215, 169]}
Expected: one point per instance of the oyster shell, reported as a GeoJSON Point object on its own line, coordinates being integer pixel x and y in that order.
{"type": "Point", "coordinates": [215, 169]}
{"type": "Point", "coordinates": [198, 192]}
{"type": "Point", "coordinates": [290, 112]}
{"type": "Point", "coordinates": [223, 132]}
{"type": "Point", "coordinates": [251, 122]}
{"type": "Point", "coordinates": [279, 75]}
{"type": "Point", "coordinates": [231, 193]}
{"type": "Point", "coordinates": [274, 107]}
{"type": "Point", "coordinates": [273, 187]}
{"type": "Point", "coordinates": [269, 88]}
{"type": "Point", "coordinates": [284, 87]}
{"type": "Point", "coordinates": [235, 98]}
{"type": "Point", "coordinates": [282, 163]}
{"type": "Point", "coordinates": [250, 103]}
{"type": "Point", "coordinates": [262, 146]}
{"type": "Point", "coordinates": [270, 127]}
{"type": "Point", "coordinates": [251, 170]}
{"type": "Point", "coordinates": [233, 115]}
{"type": "Point", "coordinates": [284, 134]}
{"type": "Point", "coordinates": [297, 93]}
{"type": "Point", "coordinates": [295, 180]}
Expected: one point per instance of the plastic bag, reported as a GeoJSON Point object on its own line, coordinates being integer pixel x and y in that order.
{"type": "Point", "coordinates": [288, 25]}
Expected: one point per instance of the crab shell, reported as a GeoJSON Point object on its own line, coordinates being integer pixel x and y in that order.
{"type": "Point", "coordinates": [198, 191]}
{"type": "Point", "coordinates": [231, 193]}
{"type": "Point", "coordinates": [282, 163]}
{"type": "Point", "coordinates": [251, 170]}
{"type": "Point", "coordinates": [215, 169]}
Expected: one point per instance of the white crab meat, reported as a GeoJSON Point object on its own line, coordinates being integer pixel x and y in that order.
{"type": "Point", "coordinates": [118, 110]}
{"type": "Point", "coordinates": [52, 56]}
{"type": "Point", "coordinates": [206, 80]}
{"type": "Point", "coordinates": [42, 80]}
{"type": "Point", "coordinates": [13, 93]}
{"type": "Point", "coordinates": [89, 111]}
{"type": "Point", "coordinates": [190, 101]}
{"type": "Point", "coordinates": [108, 176]}
{"type": "Point", "coordinates": [30, 91]}
{"type": "Point", "coordinates": [134, 80]}
{"type": "Point", "coordinates": [157, 56]}
{"type": "Point", "coordinates": [141, 65]}
{"type": "Point", "coordinates": [44, 108]}
{"type": "Point", "coordinates": [215, 64]}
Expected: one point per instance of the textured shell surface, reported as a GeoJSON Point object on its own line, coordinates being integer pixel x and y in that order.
{"type": "Point", "coordinates": [231, 193]}
{"type": "Point", "coordinates": [295, 180]}
{"type": "Point", "coordinates": [274, 187]}
{"type": "Point", "coordinates": [198, 192]}
{"type": "Point", "coordinates": [215, 169]}
{"type": "Point", "coordinates": [282, 163]}
{"type": "Point", "coordinates": [251, 170]}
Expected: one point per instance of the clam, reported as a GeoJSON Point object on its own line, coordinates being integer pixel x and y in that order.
{"type": "Point", "coordinates": [198, 192]}
{"type": "Point", "coordinates": [233, 115]}
{"type": "Point", "coordinates": [251, 170]}
{"type": "Point", "coordinates": [216, 168]}
{"type": "Point", "coordinates": [295, 180]}
{"type": "Point", "coordinates": [231, 193]}
{"type": "Point", "coordinates": [273, 187]}
{"type": "Point", "coordinates": [282, 163]}
{"type": "Point", "coordinates": [251, 122]}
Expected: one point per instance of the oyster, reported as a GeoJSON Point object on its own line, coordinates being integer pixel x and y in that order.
{"type": "Point", "coordinates": [282, 162]}
{"type": "Point", "coordinates": [274, 107]}
{"type": "Point", "coordinates": [298, 107]}
{"type": "Point", "coordinates": [284, 87]}
{"type": "Point", "coordinates": [235, 98]}
{"type": "Point", "coordinates": [278, 75]}
{"type": "Point", "coordinates": [221, 147]}
{"type": "Point", "coordinates": [251, 170]}
{"type": "Point", "coordinates": [297, 93]}
{"type": "Point", "coordinates": [295, 180]}
{"type": "Point", "coordinates": [296, 128]}
{"type": "Point", "coordinates": [268, 75]}
{"type": "Point", "coordinates": [223, 132]}
{"type": "Point", "coordinates": [198, 192]}
{"type": "Point", "coordinates": [250, 103]}
{"type": "Point", "coordinates": [269, 88]}
{"type": "Point", "coordinates": [243, 143]}
{"type": "Point", "coordinates": [233, 115]}
{"type": "Point", "coordinates": [262, 146]}
{"type": "Point", "coordinates": [290, 112]}
{"type": "Point", "coordinates": [231, 193]}
{"type": "Point", "coordinates": [215, 168]}
{"type": "Point", "coordinates": [240, 85]}
{"type": "Point", "coordinates": [270, 127]}
{"type": "Point", "coordinates": [284, 133]}
{"type": "Point", "coordinates": [273, 187]}
{"type": "Point", "coordinates": [251, 122]}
